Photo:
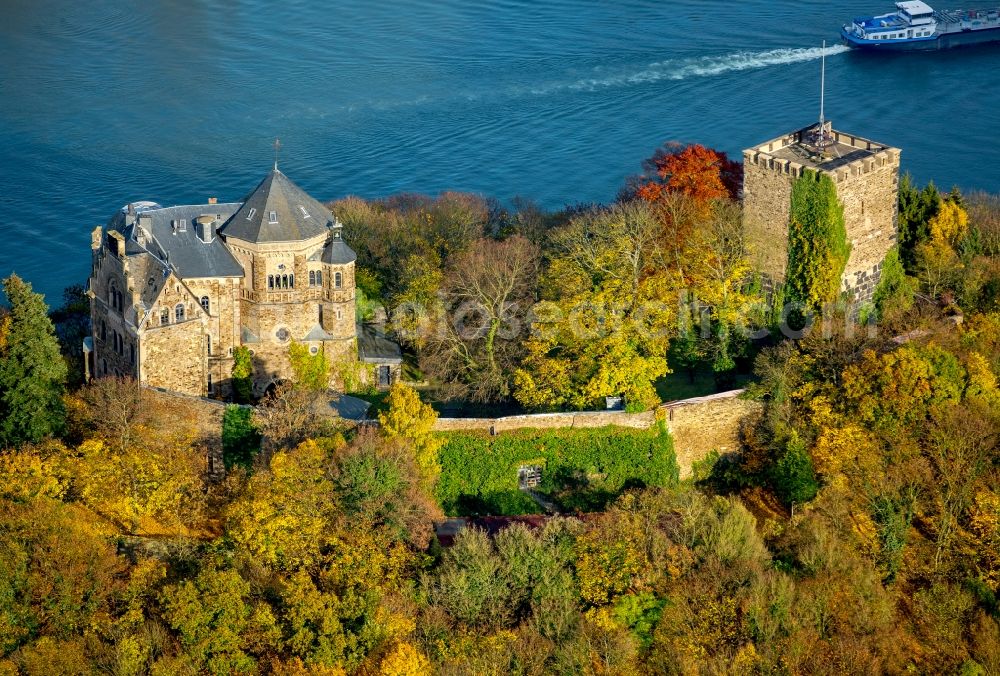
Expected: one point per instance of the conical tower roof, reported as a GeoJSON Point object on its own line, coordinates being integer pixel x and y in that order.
{"type": "Point", "coordinates": [278, 211]}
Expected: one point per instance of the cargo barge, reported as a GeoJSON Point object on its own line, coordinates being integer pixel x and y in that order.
{"type": "Point", "coordinates": [916, 26]}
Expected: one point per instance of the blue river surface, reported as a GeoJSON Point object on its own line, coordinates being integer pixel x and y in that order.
{"type": "Point", "coordinates": [102, 103]}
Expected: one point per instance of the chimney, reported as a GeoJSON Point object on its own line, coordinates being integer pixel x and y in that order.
{"type": "Point", "coordinates": [116, 243]}
{"type": "Point", "coordinates": [213, 200]}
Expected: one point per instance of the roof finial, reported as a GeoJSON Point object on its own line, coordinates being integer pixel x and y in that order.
{"type": "Point", "coordinates": [277, 147]}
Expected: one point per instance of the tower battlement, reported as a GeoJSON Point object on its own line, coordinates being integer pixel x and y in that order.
{"type": "Point", "coordinates": [866, 174]}
{"type": "Point", "coordinates": [844, 155]}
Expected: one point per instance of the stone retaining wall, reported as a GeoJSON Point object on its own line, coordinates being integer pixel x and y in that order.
{"type": "Point", "coordinates": [698, 425]}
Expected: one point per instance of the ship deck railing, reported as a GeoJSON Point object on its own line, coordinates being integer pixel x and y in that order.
{"type": "Point", "coordinates": [970, 17]}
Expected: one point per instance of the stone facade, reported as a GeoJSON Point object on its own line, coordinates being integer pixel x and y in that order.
{"type": "Point", "coordinates": [867, 178]}
{"type": "Point", "coordinates": [170, 303]}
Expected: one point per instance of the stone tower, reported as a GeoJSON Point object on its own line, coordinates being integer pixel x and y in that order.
{"type": "Point", "coordinates": [299, 277]}
{"type": "Point", "coordinates": [866, 174]}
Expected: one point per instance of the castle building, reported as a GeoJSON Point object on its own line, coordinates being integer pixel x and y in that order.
{"type": "Point", "coordinates": [866, 175]}
{"type": "Point", "coordinates": [174, 290]}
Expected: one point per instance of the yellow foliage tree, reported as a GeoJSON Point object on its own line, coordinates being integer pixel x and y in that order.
{"type": "Point", "coordinates": [605, 328]}
{"type": "Point", "coordinates": [282, 518]}
{"type": "Point", "coordinates": [153, 487]}
{"type": "Point", "coordinates": [411, 419]}
{"type": "Point", "coordinates": [984, 522]}
{"type": "Point", "coordinates": [405, 660]}
{"type": "Point", "coordinates": [950, 223]}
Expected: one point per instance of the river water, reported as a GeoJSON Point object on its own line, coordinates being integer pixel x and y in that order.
{"type": "Point", "coordinates": [103, 103]}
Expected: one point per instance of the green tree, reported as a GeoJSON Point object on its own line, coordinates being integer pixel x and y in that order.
{"type": "Point", "coordinates": [213, 615]}
{"type": "Point", "coordinates": [242, 375]}
{"type": "Point", "coordinates": [817, 242]}
{"type": "Point", "coordinates": [240, 439]}
{"type": "Point", "coordinates": [32, 371]}
{"type": "Point", "coordinates": [793, 476]}
{"type": "Point", "coordinates": [916, 209]}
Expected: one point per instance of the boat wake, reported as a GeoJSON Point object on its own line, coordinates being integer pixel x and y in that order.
{"type": "Point", "coordinates": [706, 66]}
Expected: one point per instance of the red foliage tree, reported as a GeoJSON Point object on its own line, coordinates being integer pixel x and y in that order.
{"type": "Point", "coordinates": [694, 170]}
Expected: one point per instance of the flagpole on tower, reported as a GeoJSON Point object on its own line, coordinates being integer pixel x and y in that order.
{"type": "Point", "coordinates": [822, 88]}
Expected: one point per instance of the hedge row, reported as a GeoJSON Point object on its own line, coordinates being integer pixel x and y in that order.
{"type": "Point", "coordinates": [582, 469]}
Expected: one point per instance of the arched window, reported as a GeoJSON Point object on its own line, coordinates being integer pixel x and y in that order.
{"type": "Point", "coordinates": [284, 281]}
{"type": "Point", "coordinates": [104, 330]}
{"type": "Point", "coordinates": [319, 278]}
{"type": "Point", "coordinates": [179, 312]}
{"type": "Point", "coordinates": [291, 281]}
{"type": "Point", "coordinates": [111, 297]}
{"type": "Point", "coordinates": [164, 317]}
{"type": "Point", "coordinates": [270, 281]}
{"type": "Point", "coordinates": [338, 280]}
{"type": "Point", "coordinates": [204, 303]}
{"type": "Point", "coordinates": [312, 278]}
{"type": "Point", "coordinates": [209, 341]}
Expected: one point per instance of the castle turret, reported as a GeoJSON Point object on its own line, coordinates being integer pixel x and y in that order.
{"type": "Point", "coordinates": [338, 287]}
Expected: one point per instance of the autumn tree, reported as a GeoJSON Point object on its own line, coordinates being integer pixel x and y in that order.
{"type": "Point", "coordinates": [408, 418]}
{"type": "Point", "coordinates": [114, 410]}
{"type": "Point", "coordinates": [488, 293]}
{"type": "Point", "coordinates": [604, 326]}
{"type": "Point", "coordinates": [280, 519]}
{"type": "Point", "coordinates": [694, 170]}
{"type": "Point", "coordinates": [213, 615]}
{"type": "Point", "coordinates": [151, 487]}
{"type": "Point", "coordinates": [32, 370]}
{"type": "Point", "coordinates": [289, 415]}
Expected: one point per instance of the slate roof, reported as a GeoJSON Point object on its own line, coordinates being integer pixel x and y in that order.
{"type": "Point", "coordinates": [150, 275]}
{"type": "Point", "coordinates": [374, 347]}
{"type": "Point", "coordinates": [297, 216]}
{"type": "Point", "coordinates": [317, 333]}
{"type": "Point", "coordinates": [183, 250]}
{"type": "Point", "coordinates": [337, 252]}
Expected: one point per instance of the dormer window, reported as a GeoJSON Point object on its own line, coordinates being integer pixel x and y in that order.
{"type": "Point", "coordinates": [305, 214]}
{"type": "Point", "coordinates": [272, 217]}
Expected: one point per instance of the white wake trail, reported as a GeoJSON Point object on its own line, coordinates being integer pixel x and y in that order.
{"type": "Point", "coordinates": [707, 66]}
